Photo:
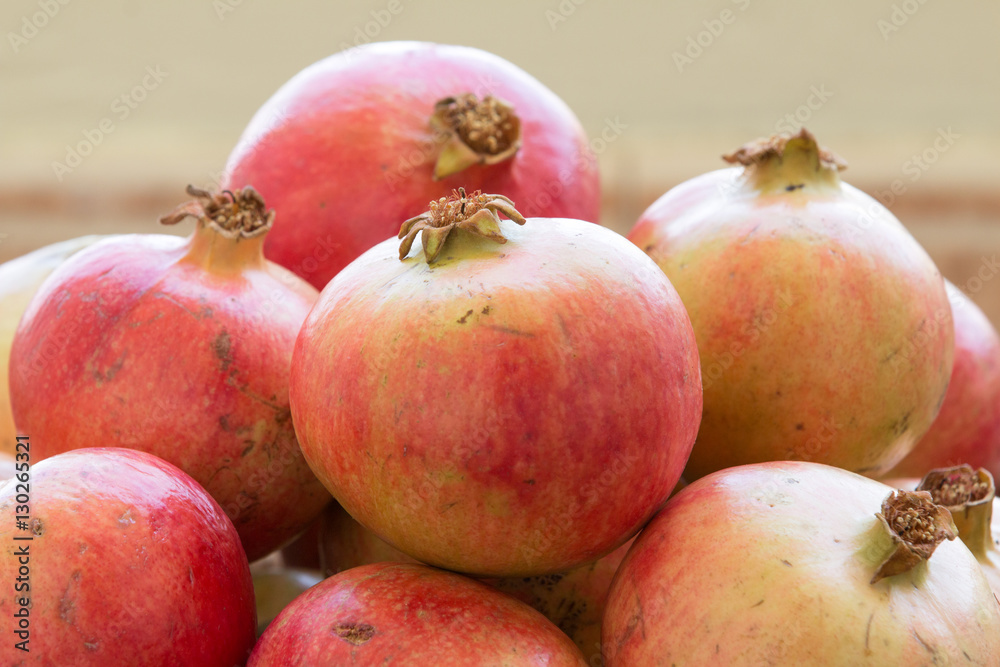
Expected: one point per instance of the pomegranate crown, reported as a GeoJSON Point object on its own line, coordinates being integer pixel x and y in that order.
{"type": "Point", "coordinates": [236, 214]}
{"type": "Point", "coordinates": [475, 213]}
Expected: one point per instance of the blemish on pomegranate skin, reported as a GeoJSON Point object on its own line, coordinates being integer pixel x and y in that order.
{"type": "Point", "coordinates": [222, 346]}
{"type": "Point", "coordinates": [465, 317]}
{"type": "Point", "coordinates": [354, 633]}
{"type": "Point", "coordinates": [786, 562]}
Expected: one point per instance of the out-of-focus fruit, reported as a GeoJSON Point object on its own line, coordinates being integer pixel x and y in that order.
{"type": "Point", "coordinates": [19, 280]}
{"type": "Point", "coordinates": [510, 409]}
{"type": "Point", "coordinates": [970, 497]}
{"type": "Point", "coordinates": [794, 563]}
{"type": "Point", "coordinates": [573, 600]}
{"type": "Point", "coordinates": [824, 328]}
{"type": "Point", "coordinates": [360, 141]}
{"type": "Point", "coordinates": [967, 430]}
{"type": "Point", "coordinates": [182, 348]}
{"type": "Point", "coordinates": [414, 615]}
{"type": "Point", "coordinates": [303, 552]}
{"type": "Point", "coordinates": [345, 544]}
{"type": "Point", "coordinates": [127, 556]}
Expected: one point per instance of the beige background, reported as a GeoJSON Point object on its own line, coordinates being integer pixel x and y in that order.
{"type": "Point", "coordinates": [892, 75]}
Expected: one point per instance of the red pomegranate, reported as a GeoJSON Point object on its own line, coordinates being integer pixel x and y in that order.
{"type": "Point", "coordinates": [126, 560]}
{"type": "Point", "coordinates": [501, 409]}
{"type": "Point", "coordinates": [824, 328]}
{"type": "Point", "coordinates": [795, 563]}
{"type": "Point", "coordinates": [412, 615]}
{"type": "Point", "coordinates": [19, 280]}
{"type": "Point", "coordinates": [967, 430]}
{"type": "Point", "coordinates": [573, 600]}
{"type": "Point", "coordinates": [181, 348]}
{"type": "Point", "coordinates": [363, 139]}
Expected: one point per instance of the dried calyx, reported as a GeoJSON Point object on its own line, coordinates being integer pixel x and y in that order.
{"type": "Point", "coordinates": [916, 526]}
{"type": "Point", "coordinates": [788, 162]}
{"type": "Point", "coordinates": [968, 495]}
{"type": "Point", "coordinates": [475, 213]}
{"type": "Point", "coordinates": [234, 214]}
{"type": "Point", "coordinates": [958, 486]}
{"type": "Point", "coordinates": [485, 131]}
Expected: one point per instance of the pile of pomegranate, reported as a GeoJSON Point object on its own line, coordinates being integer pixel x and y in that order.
{"type": "Point", "coordinates": [399, 399]}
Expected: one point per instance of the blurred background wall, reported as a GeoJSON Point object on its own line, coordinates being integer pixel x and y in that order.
{"type": "Point", "coordinates": [906, 90]}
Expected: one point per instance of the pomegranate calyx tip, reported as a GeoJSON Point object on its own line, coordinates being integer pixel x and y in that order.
{"type": "Point", "coordinates": [240, 213]}
{"type": "Point", "coordinates": [916, 526]}
{"type": "Point", "coordinates": [476, 213]}
{"type": "Point", "coordinates": [774, 147]}
{"type": "Point", "coordinates": [958, 486]}
{"type": "Point", "coordinates": [474, 131]}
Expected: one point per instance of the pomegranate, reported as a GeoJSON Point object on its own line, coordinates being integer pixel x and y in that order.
{"type": "Point", "coordinates": [778, 563]}
{"type": "Point", "coordinates": [500, 409]}
{"type": "Point", "coordinates": [345, 544]}
{"type": "Point", "coordinates": [361, 140]}
{"type": "Point", "coordinates": [182, 348]}
{"type": "Point", "coordinates": [573, 600]}
{"type": "Point", "coordinates": [19, 280]}
{"type": "Point", "coordinates": [414, 615]}
{"type": "Point", "coordinates": [124, 554]}
{"type": "Point", "coordinates": [824, 328]}
{"type": "Point", "coordinates": [967, 430]}
{"type": "Point", "coordinates": [970, 497]}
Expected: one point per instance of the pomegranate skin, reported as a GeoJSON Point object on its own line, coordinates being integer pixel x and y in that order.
{"type": "Point", "coordinates": [573, 600]}
{"type": "Point", "coordinates": [345, 152]}
{"type": "Point", "coordinates": [967, 430]}
{"type": "Point", "coordinates": [511, 410]}
{"type": "Point", "coordinates": [135, 342]}
{"type": "Point", "coordinates": [824, 328]}
{"type": "Point", "coordinates": [771, 564]}
{"type": "Point", "coordinates": [406, 614]}
{"type": "Point", "coordinates": [131, 557]}
{"type": "Point", "coordinates": [19, 280]}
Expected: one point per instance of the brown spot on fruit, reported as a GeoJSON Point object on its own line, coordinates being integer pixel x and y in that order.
{"type": "Point", "coordinates": [354, 633]}
{"type": "Point", "coordinates": [222, 346]}
{"type": "Point", "coordinates": [463, 318]}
